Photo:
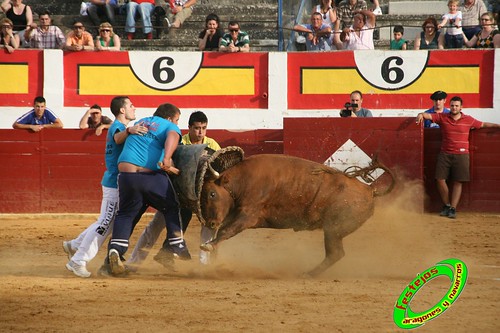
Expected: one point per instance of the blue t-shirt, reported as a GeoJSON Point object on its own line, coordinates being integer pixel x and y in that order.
{"type": "Point", "coordinates": [29, 118]}
{"type": "Point", "coordinates": [146, 150]}
{"type": "Point", "coordinates": [428, 123]}
{"type": "Point", "coordinates": [112, 152]}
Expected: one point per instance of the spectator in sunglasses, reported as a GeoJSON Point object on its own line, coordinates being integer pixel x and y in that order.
{"type": "Point", "coordinates": [107, 40]}
{"type": "Point", "coordinates": [79, 39]}
{"type": "Point", "coordinates": [235, 40]}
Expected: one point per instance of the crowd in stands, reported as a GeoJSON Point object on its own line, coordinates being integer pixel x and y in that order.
{"type": "Point", "coordinates": [334, 25]}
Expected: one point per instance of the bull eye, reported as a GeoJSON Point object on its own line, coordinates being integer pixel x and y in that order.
{"type": "Point", "coordinates": [212, 194]}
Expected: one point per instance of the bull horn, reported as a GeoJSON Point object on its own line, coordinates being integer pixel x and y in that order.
{"type": "Point", "coordinates": [215, 173]}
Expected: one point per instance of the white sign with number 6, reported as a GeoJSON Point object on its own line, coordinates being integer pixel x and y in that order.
{"type": "Point", "coordinates": [164, 70]}
{"type": "Point", "coordinates": [391, 70]}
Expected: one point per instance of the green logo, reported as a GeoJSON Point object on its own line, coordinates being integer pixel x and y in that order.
{"type": "Point", "coordinates": [455, 269]}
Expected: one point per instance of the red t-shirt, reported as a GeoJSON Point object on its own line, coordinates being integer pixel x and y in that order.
{"type": "Point", "coordinates": [455, 133]}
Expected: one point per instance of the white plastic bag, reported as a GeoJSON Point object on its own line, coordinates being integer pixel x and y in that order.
{"type": "Point", "coordinates": [83, 8]}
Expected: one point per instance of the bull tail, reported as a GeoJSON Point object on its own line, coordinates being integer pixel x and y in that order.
{"type": "Point", "coordinates": [366, 175]}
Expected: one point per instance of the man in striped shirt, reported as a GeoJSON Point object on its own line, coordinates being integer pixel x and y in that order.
{"type": "Point", "coordinates": [453, 159]}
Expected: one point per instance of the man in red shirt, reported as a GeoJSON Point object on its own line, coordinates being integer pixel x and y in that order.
{"type": "Point", "coordinates": [453, 159]}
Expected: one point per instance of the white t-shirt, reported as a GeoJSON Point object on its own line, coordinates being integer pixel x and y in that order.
{"type": "Point", "coordinates": [450, 27]}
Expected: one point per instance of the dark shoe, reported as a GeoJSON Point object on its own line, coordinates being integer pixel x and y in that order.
{"type": "Point", "coordinates": [452, 213]}
{"type": "Point", "coordinates": [180, 251]}
{"type": "Point", "coordinates": [445, 211]}
{"type": "Point", "coordinates": [165, 258]}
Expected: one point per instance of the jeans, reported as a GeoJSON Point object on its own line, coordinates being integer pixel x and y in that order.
{"type": "Point", "coordinates": [145, 9]}
{"type": "Point", "coordinates": [454, 41]}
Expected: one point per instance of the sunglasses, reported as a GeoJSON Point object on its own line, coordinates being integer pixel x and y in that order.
{"type": "Point", "coordinates": [105, 30]}
{"type": "Point", "coordinates": [6, 26]}
{"type": "Point", "coordinates": [429, 27]}
{"type": "Point", "coordinates": [234, 30]}
{"type": "Point", "coordinates": [77, 27]}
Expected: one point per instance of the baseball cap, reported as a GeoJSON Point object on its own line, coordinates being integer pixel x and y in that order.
{"type": "Point", "coordinates": [438, 95]}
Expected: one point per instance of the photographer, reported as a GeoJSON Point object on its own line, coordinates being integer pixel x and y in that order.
{"type": "Point", "coordinates": [354, 108]}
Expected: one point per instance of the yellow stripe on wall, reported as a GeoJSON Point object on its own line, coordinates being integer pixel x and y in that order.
{"type": "Point", "coordinates": [119, 80]}
{"type": "Point", "coordinates": [15, 79]}
{"type": "Point", "coordinates": [343, 81]}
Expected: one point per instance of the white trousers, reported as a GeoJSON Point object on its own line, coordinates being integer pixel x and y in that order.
{"type": "Point", "coordinates": [92, 238]}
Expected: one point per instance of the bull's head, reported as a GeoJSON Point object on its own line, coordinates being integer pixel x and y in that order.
{"type": "Point", "coordinates": [216, 203]}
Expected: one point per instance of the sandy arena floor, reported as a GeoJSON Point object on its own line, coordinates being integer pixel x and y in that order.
{"type": "Point", "coordinates": [256, 285]}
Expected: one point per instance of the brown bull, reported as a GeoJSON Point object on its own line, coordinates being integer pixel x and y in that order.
{"type": "Point", "coordinates": [281, 192]}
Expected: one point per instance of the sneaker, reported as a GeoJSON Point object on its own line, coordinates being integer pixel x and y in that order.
{"type": "Point", "coordinates": [68, 249]}
{"type": "Point", "coordinates": [149, 35]}
{"type": "Point", "coordinates": [180, 251]}
{"type": "Point", "coordinates": [130, 36]}
{"type": "Point", "coordinates": [78, 270]}
{"type": "Point", "coordinates": [165, 258]}
{"type": "Point", "coordinates": [116, 263]}
{"type": "Point", "coordinates": [377, 11]}
{"type": "Point", "coordinates": [166, 23]}
{"type": "Point", "coordinates": [445, 211]}
{"type": "Point", "coordinates": [452, 213]}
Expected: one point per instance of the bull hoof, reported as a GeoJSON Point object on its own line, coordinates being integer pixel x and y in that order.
{"type": "Point", "coordinates": [207, 247]}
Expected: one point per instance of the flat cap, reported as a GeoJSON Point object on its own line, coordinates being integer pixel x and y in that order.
{"type": "Point", "coordinates": [437, 95]}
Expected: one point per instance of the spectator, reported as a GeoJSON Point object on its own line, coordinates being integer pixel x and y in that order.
{"type": "Point", "coordinates": [398, 43]}
{"type": "Point", "coordinates": [45, 36]}
{"type": "Point", "coordinates": [102, 8]}
{"type": "Point", "coordinates": [430, 38]}
{"type": "Point", "coordinates": [453, 159]}
{"type": "Point", "coordinates": [471, 13]}
{"type": "Point", "coordinates": [347, 9]}
{"type": "Point", "coordinates": [197, 125]}
{"type": "Point", "coordinates": [439, 100]}
{"type": "Point", "coordinates": [488, 36]}
{"type": "Point", "coordinates": [21, 16]}
{"type": "Point", "coordinates": [178, 12]}
{"type": "Point", "coordinates": [8, 40]}
{"type": "Point", "coordinates": [209, 37]}
{"type": "Point", "coordinates": [107, 40]}
{"type": "Point", "coordinates": [236, 40]}
{"type": "Point", "coordinates": [453, 22]}
{"type": "Point", "coordinates": [356, 107]}
{"type": "Point", "coordinates": [38, 118]}
{"type": "Point", "coordinates": [145, 8]}
{"type": "Point", "coordinates": [94, 119]}
{"type": "Point", "coordinates": [317, 33]}
{"type": "Point", "coordinates": [360, 35]}
{"type": "Point", "coordinates": [79, 39]}
{"type": "Point", "coordinates": [329, 14]}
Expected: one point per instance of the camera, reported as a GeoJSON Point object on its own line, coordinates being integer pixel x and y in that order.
{"type": "Point", "coordinates": [347, 111]}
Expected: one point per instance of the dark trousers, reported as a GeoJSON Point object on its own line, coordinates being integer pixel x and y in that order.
{"type": "Point", "coordinates": [454, 41]}
{"type": "Point", "coordinates": [97, 11]}
{"type": "Point", "coordinates": [137, 191]}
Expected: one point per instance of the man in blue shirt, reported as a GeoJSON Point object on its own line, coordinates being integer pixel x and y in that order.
{"type": "Point", "coordinates": [144, 165]}
{"type": "Point", "coordinates": [439, 100]}
{"type": "Point", "coordinates": [38, 118]}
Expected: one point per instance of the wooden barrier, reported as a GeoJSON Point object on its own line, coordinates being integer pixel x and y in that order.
{"type": "Point", "coordinates": [59, 171]}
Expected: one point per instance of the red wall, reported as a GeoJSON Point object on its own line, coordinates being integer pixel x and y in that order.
{"type": "Point", "coordinates": [59, 171]}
